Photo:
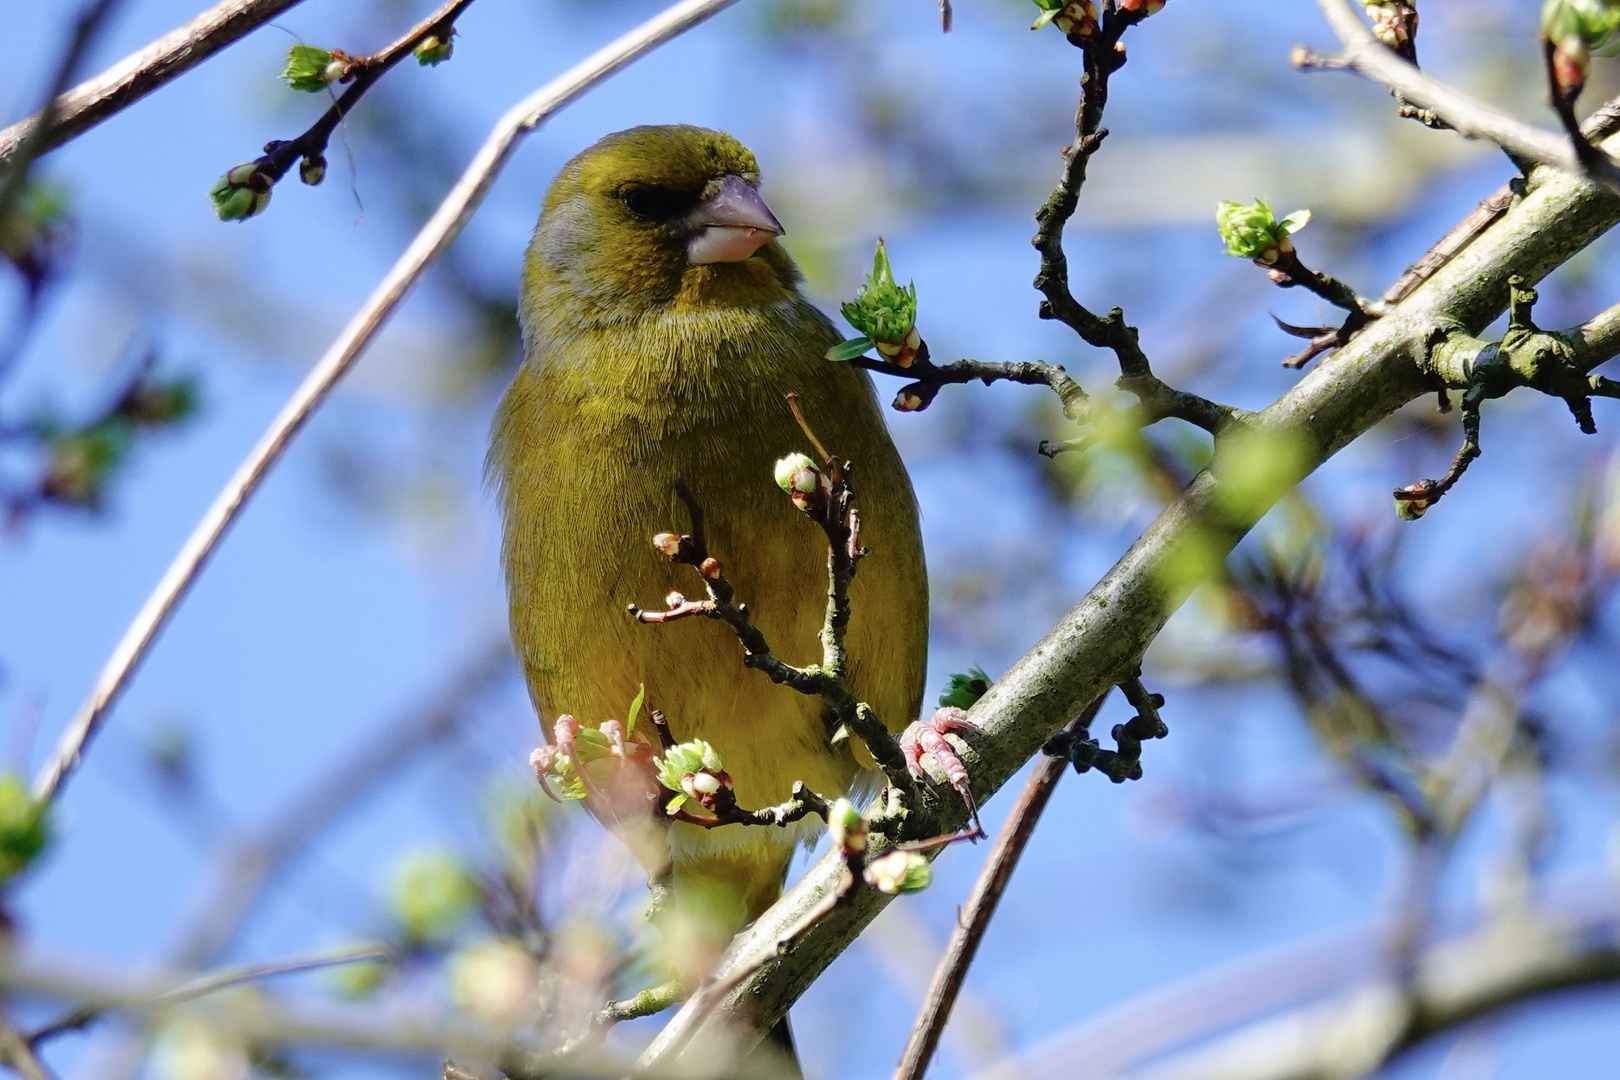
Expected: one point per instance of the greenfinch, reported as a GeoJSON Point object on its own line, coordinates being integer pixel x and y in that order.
{"type": "Point", "coordinates": [663, 328]}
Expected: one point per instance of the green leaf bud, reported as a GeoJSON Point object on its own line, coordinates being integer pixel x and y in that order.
{"type": "Point", "coordinates": [899, 872]}
{"type": "Point", "coordinates": [434, 49]}
{"type": "Point", "coordinates": [242, 193]}
{"type": "Point", "coordinates": [882, 310]}
{"type": "Point", "coordinates": [310, 70]}
{"type": "Point", "coordinates": [1252, 231]}
{"type": "Point", "coordinates": [24, 827]}
{"type": "Point", "coordinates": [687, 759]}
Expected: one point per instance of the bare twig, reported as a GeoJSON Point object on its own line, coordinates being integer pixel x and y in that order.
{"type": "Point", "coordinates": [981, 906]}
{"type": "Point", "coordinates": [435, 236]}
{"type": "Point", "coordinates": [14, 167]}
{"type": "Point", "coordinates": [132, 78]}
{"type": "Point", "coordinates": [19, 1054]}
{"type": "Point", "coordinates": [1365, 55]}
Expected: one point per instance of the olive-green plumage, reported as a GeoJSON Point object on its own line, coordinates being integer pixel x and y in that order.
{"type": "Point", "coordinates": [640, 368]}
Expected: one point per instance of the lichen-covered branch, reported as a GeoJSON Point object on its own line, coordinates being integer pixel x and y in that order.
{"type": "Point", "coordinates": [1101, 641]}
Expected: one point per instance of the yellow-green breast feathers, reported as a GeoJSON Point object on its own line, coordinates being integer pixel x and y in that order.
{"type": "Point", "coordinates": [643, 366]}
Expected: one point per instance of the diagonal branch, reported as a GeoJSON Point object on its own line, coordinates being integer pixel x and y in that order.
{"type": "Point", "coordinates": [1101, 641]}
{"type": "Point", "coordinates": [138, 74]}
{"type": "Point", "coordinates": [1365, 55]}
{"type": "Point", "coordinates": [431, 242]}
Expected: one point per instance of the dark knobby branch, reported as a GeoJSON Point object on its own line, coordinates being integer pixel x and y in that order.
{"type": "Point", "coordinates": [1552, 362]}
{"type": "Point", "coordinates": [1101, 641]}
{"type": "Point", "coordinates": [825, 496]}
{"type": "Point", "coordinates": [1075, 745]}
{"type": "Point", "coordinates": [1104, 54]}
{"type": "Point", "coordinates": [245, 190]}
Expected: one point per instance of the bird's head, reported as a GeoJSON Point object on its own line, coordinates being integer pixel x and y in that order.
{"type": "Point", "coordinates": [656, 217]}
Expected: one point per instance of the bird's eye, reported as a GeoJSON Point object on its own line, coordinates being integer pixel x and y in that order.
{"type": "Point", "coordinates": [652, 203]}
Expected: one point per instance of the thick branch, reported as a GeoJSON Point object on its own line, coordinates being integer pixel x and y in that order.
{"type": "Point", "coordinates": [1102, 640]}
{"type": "Point", "coordinates": [138, 74]}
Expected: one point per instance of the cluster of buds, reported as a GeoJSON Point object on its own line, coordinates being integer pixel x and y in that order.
{"type": "Point", "coordinates": [1574, 30]}
{"type": "Point", "coordinates": [434, 49]}
{"type": "Point", "coordinates": [1252, 231]}
{"type": "Point", "coordinates": [809, 487]}
{"type": "Point", "coordinates": [1392, 22]}
{"type": "Point", "coordinates": [886, 316]}
{"type": "Point", "coordinates": [610, 759]}
{"type": "Point", "coordinates": [1076, 18]}
{"type": "Point", "coordinates": [311, 70]}
{"type": "Point", "coordinates": [693, 771]}
{"type": "Point", "coordinates": [242, 193]}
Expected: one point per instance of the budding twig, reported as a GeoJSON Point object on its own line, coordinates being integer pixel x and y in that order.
{"type": "Point", "coordinates": [434, 238]}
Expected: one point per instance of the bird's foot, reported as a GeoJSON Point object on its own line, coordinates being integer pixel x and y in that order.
{"type": "Point", "coordinates": [926, 738]}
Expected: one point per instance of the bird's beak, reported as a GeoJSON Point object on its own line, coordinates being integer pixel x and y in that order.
{"type": "Point", "coordinates": [730, 225]}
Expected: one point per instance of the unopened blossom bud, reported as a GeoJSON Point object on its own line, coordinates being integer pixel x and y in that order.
{"type": "Point", "coordinates": [675, 598]}
{"type": "Point", "coordinates": [312, 170]}
{"type": "Point", "coordinates": [795, 473]}
{"type": "Point", "coordinates": [669, 543]}
{"type": "Point", "coordinates": [710, 568]}
{"type": "Point", "coordinates": [908, 401]}
{"type": "Point", "coordinates": [899, 872]}
{"type": "Point", "coordinates": [434, 49]}
{"type": "Point", "coordinates": [846, 827]}
{"type": "Point", "coordinates": [1150, 7]}
{"type": "Point", "coordinates": [241, 193]}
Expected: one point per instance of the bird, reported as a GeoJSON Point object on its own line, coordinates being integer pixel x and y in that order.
{"type": "Point", "coordinates": [664, 325]}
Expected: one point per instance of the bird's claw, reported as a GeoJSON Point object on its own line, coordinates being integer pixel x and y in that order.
{"type": "Point", "coordinates": [926, 738]}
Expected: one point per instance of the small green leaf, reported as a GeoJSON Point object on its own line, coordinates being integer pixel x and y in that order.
{"type": "Point", "coordinates": [1295, 221]}
{"type": "Point", "coordinates": [432, 895]}
{"type": "Point", "coordinates": [963, 691]}
{"type": "Point", "coordinates": [635, 711]}
{"type": "Point", "coordinates": [850, 349]}
{"type": "Point", "coordinates": [309, 69]}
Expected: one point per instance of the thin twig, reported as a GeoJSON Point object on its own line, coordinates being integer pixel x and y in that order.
{"type": "Point", "coordinates": [132, 78]}
{"type": "Point", "coordinates": [1365, 55]}
{"type": "Point", "coordinates": [363, 73]}
{"type": "Point", "coordinates": [981, 905]}
{"type": "Point", "coordinates": [445, 225]}
{"type": "Point", "coordinates": [14, 167]}
{"type": "Point", "coordinates": [17, 1052]}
